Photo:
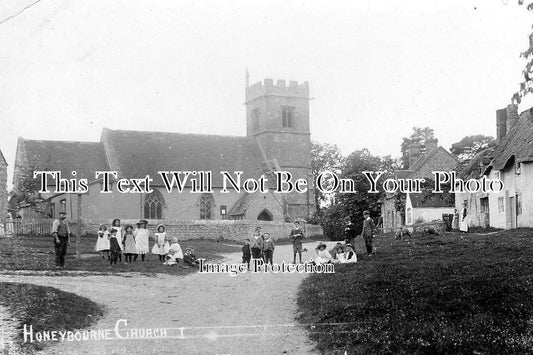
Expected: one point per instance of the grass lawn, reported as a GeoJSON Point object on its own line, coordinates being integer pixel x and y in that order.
{"type": "Point", "coordinates": [454, 294]}
{"type": "Point", "coordinates": [37, 253]}
{"type": "Point", "coordinates": [46, 308]}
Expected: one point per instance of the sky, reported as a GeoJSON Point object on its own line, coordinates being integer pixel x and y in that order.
{"type": "Point", "coordinates": [375, 68]}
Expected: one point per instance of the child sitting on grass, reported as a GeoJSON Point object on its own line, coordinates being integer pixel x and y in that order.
{"type": "Point", "coordinates": [174, 254]}
{"type": "Point", "coordinates": [189, 257]}
{"type": "Point", "coordinates": [322, 255]}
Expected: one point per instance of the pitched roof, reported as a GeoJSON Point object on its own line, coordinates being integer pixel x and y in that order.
{"type": "Point", "coordinates": [433, 200]}
{"type": "Point", "coordinates": [2, 159]}
{"type": "Point", "coordinates": [518, 143]}
{"type": "Point", "coordinates": [83, 157]}
{"type": "Point", "coordinates": [136, 154]}
{"type": "Point", "coordinates": [420, 162]}
{"type": "Point", "coordinates": [477, 164]}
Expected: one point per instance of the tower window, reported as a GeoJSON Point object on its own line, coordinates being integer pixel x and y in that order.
{"type": "Point", "coordinates": [287, 116]}
{"type": "Point", "coordinates": [255, 119]}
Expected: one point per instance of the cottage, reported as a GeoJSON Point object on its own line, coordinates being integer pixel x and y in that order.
{"type": "Point", "coordinates": [511, 161]}
{"type": "Point", "coordinates": [419, 207]}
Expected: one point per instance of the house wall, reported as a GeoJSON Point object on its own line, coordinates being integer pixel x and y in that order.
{"type": "Point", "coordinates": [3, 189]}
{"type": "Point", "coordinates": [392, 219]}
{"type": "Point", "coordinates": [515, 184]}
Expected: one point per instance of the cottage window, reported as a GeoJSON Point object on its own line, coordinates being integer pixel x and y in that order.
{"type": "Point", "coordinates": [63, 205]}
{"type": "Point", "coordinates": [518, 204]}
{"type": "Point", "coordinates": [206, 204]}
{"type": "Point", "coordinates": [153, 205]}
{"type": "Point", "coordinates": [484, 204]}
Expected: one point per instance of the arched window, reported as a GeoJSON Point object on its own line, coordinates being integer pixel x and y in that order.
{"type": "Point", "coordinates": [206, 206]}
{"type": "Point", "coordinates": [153, 205]}
{"type": "Point", "coordinates": [265, 216]}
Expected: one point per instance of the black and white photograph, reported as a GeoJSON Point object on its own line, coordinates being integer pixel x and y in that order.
{"type": "Point", "coordinates": [266, 177]}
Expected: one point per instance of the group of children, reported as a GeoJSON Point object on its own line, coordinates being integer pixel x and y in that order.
{"type": "Point", "coordinates": [130, 242]}
{"type": "Point", "coordinates": [259, 246]}
{"type": "Point", "coordinates": [341, 254]}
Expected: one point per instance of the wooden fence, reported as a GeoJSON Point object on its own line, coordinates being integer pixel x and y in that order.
{"type": "Point", "coordinates": [33, 226]}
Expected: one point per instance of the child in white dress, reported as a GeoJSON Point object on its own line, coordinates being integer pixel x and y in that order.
{"type": "Point", "coordinates": [102, 242]}
{"type": "Point", "coordinates": [142, 236]}
{"type": "Point", "coordinates": [322, 255]}
{"type": "Point", "coordinates": [161, 246]}
{"type": "Point", "coordinates": [174, 254]}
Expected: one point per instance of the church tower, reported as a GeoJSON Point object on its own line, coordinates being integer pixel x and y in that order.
{"type": "Point", "coordinates": [278, 117]}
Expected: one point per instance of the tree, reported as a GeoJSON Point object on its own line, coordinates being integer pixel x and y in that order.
{"type": "Point", "coordinates": [469, 146]}
{"type": "Point", "coordinates": [355, 203]}
{"type": "Point", "coordinates": [526, 86]}
{"type": "Point", "coordinates": [324, 157]}
{"type": "Point", "coordinates": [419, 136]}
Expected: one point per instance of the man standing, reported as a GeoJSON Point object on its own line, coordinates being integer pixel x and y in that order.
{"type": "Point", "coordinates": [296, 237]}
{"type": "Point", "coordinates": [61, 234]}
{"type": "Point", "coordinates": [368, 231]}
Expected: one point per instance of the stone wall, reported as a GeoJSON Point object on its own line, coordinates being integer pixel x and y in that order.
{"type": "Point", "coordinates": [236, 230]}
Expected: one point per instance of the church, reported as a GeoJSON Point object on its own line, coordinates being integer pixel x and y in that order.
{"type": "Point", "coordinates": [277, 139]}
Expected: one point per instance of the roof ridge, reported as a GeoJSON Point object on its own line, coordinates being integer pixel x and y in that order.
{"type": "Point", "coordinates": [177, 133]}
{"type": "Point", "coordinates": [56, 141]}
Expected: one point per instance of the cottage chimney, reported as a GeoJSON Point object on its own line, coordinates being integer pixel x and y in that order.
{"type": "Point", "coordinates": [414, 153]}
{"type": "Point", "coordinates": [431, 144]}
{"type": "Point", "coordinates": [501, 124]}
{"type": "Point", "coordinates": [512, 116]}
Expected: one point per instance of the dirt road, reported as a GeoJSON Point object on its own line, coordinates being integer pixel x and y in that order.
{"type": "Point", "coordinates": [200, 313]}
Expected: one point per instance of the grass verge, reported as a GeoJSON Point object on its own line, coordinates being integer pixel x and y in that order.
{"type": "Point", "coordinates": [460, 294]}
{"type": "Point", "coordinates": [46, 309]}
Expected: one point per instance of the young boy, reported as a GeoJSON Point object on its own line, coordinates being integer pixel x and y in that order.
{"type": "Point", "coordinates": [268, 248]}
{"type": "Point", "coordinates": [114, 247]}
{"type": "Point", "coordinates": [350, 232]}
{"type": "Point", "coordinates": [368, 231]}
{"type": "Point", "coordinates": [296, 238]}
{"type": "Point", "coordinates": [246, 253]}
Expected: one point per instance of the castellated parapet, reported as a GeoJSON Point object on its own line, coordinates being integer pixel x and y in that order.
{"type": "Point", "coordinates": [267, 88]}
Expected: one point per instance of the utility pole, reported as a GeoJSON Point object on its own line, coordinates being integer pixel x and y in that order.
{"type": "Point", "coordinates": [78, 231]}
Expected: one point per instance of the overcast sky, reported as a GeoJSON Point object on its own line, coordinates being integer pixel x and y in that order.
{"type": "Point", "coordinates": [375, 68]}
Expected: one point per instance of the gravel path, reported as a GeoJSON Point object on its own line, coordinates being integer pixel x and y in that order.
{"type": "Point", "coordinates": [220, 314]}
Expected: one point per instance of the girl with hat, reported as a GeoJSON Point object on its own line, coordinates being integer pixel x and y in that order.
{"type": "Point", "coordinates": [129, 244]}
{"type": "Point", "coordinates": [161, 246]}
{"type": "Point", "coordinates": [322, 255]}
{"type": "Point", "coordinates": [142, 236]}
